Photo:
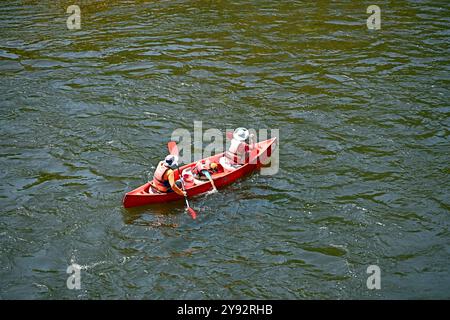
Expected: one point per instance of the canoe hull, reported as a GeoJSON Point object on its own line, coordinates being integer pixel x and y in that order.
{"type": "Point", "coordinates": [142, 196]}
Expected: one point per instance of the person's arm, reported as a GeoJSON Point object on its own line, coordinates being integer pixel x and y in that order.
{"type": "Point", "coordinates": [173, 185]}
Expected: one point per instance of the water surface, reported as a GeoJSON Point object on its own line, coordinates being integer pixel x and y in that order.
{"type": "Point", "coordinates": [364, 149]}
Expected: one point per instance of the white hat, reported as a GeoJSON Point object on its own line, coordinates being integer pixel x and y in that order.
{"type": "Point", "coordinates": [171, 161]}
{"type": "Point", "coordinates": [241, 134]}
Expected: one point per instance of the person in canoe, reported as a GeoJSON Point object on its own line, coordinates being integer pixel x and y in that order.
{"type": "Point", "coordinates": [204, 167]}
{"type": "Point", "coordinates": [164, 178]}
{"type": "Point", "coordinates": [239, 151]}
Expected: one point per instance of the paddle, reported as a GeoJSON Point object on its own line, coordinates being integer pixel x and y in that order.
{"type": "Point", "coordinates": [188, 207]}
{"type": "Point", "coordinates": [173, 150]}
{"type": "Point", "coordinates": [206, 173]}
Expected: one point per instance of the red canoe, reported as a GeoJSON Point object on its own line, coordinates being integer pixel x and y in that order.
{"type": "Point", "coordinates": [144, 195]}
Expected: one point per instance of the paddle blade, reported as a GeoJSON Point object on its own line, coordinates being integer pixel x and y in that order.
{"type": "Point", "coordinates": [173, 149]}
{"type": "Point", "coordinates": [192, 212]}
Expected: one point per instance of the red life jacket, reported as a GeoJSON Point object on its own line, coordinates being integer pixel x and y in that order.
{"type": "Point", "coordinates": [160, 182]}
{"type": "Point", "coordinates": [202, 165]}
{"type": "Point", "coordinates": [238, 152]}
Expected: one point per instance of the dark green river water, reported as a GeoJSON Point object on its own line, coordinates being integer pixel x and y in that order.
{"type": "Point", "coordinates": [363, 117]}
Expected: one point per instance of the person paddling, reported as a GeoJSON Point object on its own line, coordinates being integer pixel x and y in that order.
{"type": "Point", "coordinates": [239, 149]}
{"type": "Point", "coordinates": [164, 178]}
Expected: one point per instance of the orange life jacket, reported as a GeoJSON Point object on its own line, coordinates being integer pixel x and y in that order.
{"type": "Point", "coordinates": [160, 181]}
